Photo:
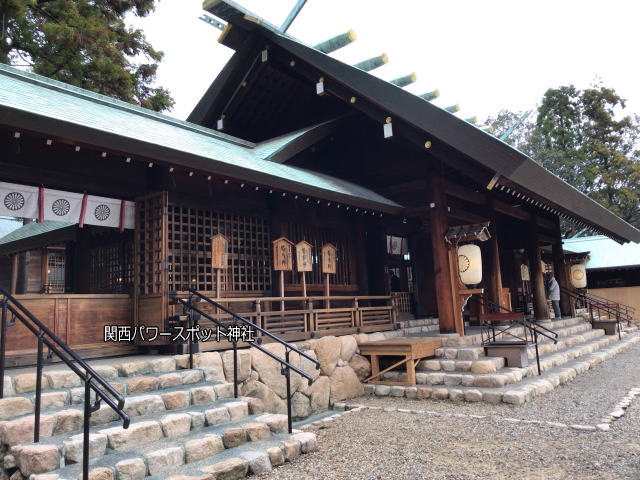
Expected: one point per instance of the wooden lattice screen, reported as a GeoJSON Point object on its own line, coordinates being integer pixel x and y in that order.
{"type": "Point", "coordinates": [189, 244]}
{"type": "Point", "coordinates": [319, 236]}
{"type": "Point", "coordinates": [111, 268]}
{"type": "Point", "coordinates": [151, 247]}
{"type": "Point", "coordinates": [56, 261]}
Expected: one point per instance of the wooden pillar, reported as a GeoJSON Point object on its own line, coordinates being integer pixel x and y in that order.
{"type": "Point", "coordinates": [537, 279]}
{"type": "Point", "coordinates": [494, 281]}
{"type": "Point", "coordinates": [15, 265]}
{"type": "Point", "coordinates": [424, 284]}
{"type": "Point", "coordinates": [442, 271]}
{"type": "Point", "coordinates": [567, 307]}
{"type": "Point", "coordinates": [361, 260]}
{"type": "Point", "coordinates": [376, 260]}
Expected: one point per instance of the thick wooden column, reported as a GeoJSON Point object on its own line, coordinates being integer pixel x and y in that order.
{"type": "Point", "coordinates": [494, 281]}
{"type": "Point", "coordinates": [567, 307]}
{"type": "Point", "coordinates": [361, 260]}
{"type": "Point", "coordinates": [376, 260]}
{"type": "Point", "coordinates": [424, 282]}
{"type": "Point", "coordinates": [442, 271]}
{"type": "Point", "coordinates": [14, 273]}
{"type": "Point", "coordinates": [537, 280]}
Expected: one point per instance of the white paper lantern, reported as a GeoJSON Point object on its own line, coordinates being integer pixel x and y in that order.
{"type": "Point", "coordinates": [579, 275]}
{"type": "Point", "coordinates": [470, 264]}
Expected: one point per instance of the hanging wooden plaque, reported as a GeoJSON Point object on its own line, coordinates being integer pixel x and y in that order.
{"type": "Point", "coordinates": [304, 259]}
{"type": "Point", "coordinates": [329, 252]}
{"type": "Point", "coordinates": [219, 252]}
{"type": "Point", "coordinates": [282, 254]}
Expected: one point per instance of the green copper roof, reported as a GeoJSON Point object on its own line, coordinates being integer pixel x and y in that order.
{"type": "Point", "coordinates": [25, 237]}
{"type": "Point", "coordinates": [56, 106]}
{"type": "Point", "coordinates": [604, 253]}
{"type": "Point", "coordinates": [33, 229]}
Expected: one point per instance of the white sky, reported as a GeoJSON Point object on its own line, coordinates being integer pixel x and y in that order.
{"type": "Point", "coordinates": [484, 55]}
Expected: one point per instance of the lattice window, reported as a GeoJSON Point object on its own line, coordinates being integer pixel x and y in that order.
{"type": "Point", "coordinates": [317, 237]}
{"type": "Point", "coordinates": [56, 260]}
{"type": "Point", "coordinates": [189, 244]}
{"type": "Point", "coordinates": [111, 268]}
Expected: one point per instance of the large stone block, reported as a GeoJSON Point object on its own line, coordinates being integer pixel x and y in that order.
{"type": "Point", "coordinates": [345, 384]}
{"type": "Point", "coordinates": [175, 400]}
{"type": "Point", "coordinates": [214, 374]}
{"type": "Point", "coordinates": [73, 447]}
{"type": "Point", "coordinates": [232, 469]}
{"type": "Point", "coordinates": [237, 410]}
{"type": "Point", "coordinates": [143, 405]}
{"type": "Point", "coordinates": [320, 394]}
{"type": "Point", "coordinates": [131, 469]}
{"type": "Point", "coordinates": [300, 405]}
{"type": "Point", "coordinates": [202, 448]}
{"type": "Point", "coordinates": [276, 456]}
{"type": "Point", "coordinates": [104, 414]}
{"type": "Point", "coordinates": [106, 371]}
{"type": "Point", "coordinates": [208, 359]}
{"type": "Point", "coordinates": [269, 370]}
{"type": "Point", "coordinates": [292, 449]}
{"type": "Point", "coordinates": [348, 347]}
{"type": "Point", "coordinates": [272, 402]}
{"type": "Point", "coordinates": [169, 380]}
{"type": "Point", "coordinates": [141, 384]}
{"type": "Point", "coordinates": [8, 386]}
{"type": "Point", "coordinates": [100, 473]}
{"type": "Point", "coordinates": [21, 430]}
{"type": "Point", "coordinates": [129, 369]}
{"type": "Point", "coordinates": [224, 390]}
{"type": "Point", "coordinates": [62, 379]}
{"type": "Point", "coordinates": [160, 461]}
{"type": "Point", "coordinates": [308, 367]}
{"type": "Point", "coordinates": [361, 366]}
{"type": "Point", "coordinates": [234, 437]}
{"type": "Point", "coordinates": [137, 434]}
{"type": "Point", "coordinates": [515, 397]}
{"type": "Point", "coordinates": [192, 376]}
{"type": "Point", "coordinates": [256, 406]}
{"type": "Point", "coordinates": [27, 382]}
{"type": "Point", "coordinates": [484, 366]}
{"type": "Point", "coordinates": [68, 421]}
{"type": "Point", "coordinates": [167, 364]}
{"type": "Point", "coordinates": [258, 462]}
{"type": "Point", "coordinates": [257, 431]}
{"type": "Point", "coordinates": [36, 458]}
{"type": "Point", "coordinates": [216, 416]}
{"type": "Point", "coordinates": [277, 423]}
{"type": "Point", "coordinates": [202, 395]}
{"type": "Point", "coordinates": [244, 364]}
{"type": "Point", "coordinates": [328, 352]}
{"type": "Point", "coordinates": [14, 406]}
{"type": "Point", "coordinates": [176, 424]}
{"type": "Point", "coordinates": [52, 400]}
{"type": "Point", "coordinates": [307, 441]}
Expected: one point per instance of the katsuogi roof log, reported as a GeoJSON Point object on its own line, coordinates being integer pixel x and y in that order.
{"type": "Point", "coordinates": [337, 42]}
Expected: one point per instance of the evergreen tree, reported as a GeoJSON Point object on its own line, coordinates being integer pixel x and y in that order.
{"type": "Point", "coordinates": [85, 43]}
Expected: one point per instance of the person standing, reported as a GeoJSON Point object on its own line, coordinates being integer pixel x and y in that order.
{"type": "Point", "coordinates": [554, 295]}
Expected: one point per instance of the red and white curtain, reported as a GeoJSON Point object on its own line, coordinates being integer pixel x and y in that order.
{"type": "Point", "coordinates": [49, 204]}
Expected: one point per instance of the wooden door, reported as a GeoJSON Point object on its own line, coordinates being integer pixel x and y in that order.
{"type": "Point", "coordinates": [151, 267]}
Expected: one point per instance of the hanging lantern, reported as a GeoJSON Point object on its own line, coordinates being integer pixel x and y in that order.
{"type": "Point", "coordinates": [470, 264]}
{"type": "Point", "coordinates": [579, 275]}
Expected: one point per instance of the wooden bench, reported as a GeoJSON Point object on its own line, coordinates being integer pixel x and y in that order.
{"type": "Point", "coordinates": [412, 349]}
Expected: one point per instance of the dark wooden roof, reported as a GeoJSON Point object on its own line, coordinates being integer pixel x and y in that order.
{"type": "Point", "coordinates": [479, 154]}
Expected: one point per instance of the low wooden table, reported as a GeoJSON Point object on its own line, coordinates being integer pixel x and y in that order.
{"type": "Point", "coordinates": [413, 349]}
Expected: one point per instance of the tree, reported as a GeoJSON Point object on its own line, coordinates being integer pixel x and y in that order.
{"type": "Point", "coordinates": [581, 136]}
{"type": "Point", "coordinates": [85, 43]}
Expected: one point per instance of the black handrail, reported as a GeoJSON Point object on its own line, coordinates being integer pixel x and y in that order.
{"type": "Point", "coordinates": [104, 391]}
{"type": "Point", "coordinates": [629, 310]}
{"type": "Point", "coordinates": [287, 367]}
{"type": "Point", "coordinates": [533, 328]}
{"type": "Point", "coordinates": [599, 306]}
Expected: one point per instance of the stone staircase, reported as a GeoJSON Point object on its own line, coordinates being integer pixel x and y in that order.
{"type": "Point", "coordinates": [182, 420]}
{"type": "Point", "coordinates": [461, 371]}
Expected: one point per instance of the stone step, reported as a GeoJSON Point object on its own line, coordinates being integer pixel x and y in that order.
{"type": "Point", "coordinates": [147, 433]}
{"type": "Point", "coordinates": [419, 322]}
{"type": "Point", "coordinates": [522, 391]}
{"type": "Point", "coordinates": [492, 373]}
{"type": "Point", "coordinates": [564, 342]}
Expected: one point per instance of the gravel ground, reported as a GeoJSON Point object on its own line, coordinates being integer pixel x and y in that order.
{"type": "Point", "coordinates": [373, 444]}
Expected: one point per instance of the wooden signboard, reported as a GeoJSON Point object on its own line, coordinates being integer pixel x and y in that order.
{"type": "Point", "coordinates": [304, 262]}
{"type": "Point", "coordinates": [282, 254]}
{"type": "Point", "coordinates": [304, 259]}
{"type": "Point", "coordinates": [329, 252]}
{"type": "Point", "coordinates": [219, 252]}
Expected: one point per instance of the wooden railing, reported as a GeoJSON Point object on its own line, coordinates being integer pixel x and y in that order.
{"type": "Point", "coordinates": [305, 316]}
{"type": "Point", "coordinates": [403, 301]}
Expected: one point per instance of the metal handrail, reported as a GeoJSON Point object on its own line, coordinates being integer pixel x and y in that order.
{"type": "Point", "coordinates": [599, 307]}
{"type": "Point", "coordinates": [287, 367]}
{"type": "Point", "coordinates": [627, 308]}
{"type": "Point", "coordinates": [104, 391]}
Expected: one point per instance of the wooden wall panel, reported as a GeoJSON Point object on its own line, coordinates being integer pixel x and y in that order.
{"type": "Point", "coordinates": [89, 316]}
{"type": "Point", "coordinates": [151, 314]}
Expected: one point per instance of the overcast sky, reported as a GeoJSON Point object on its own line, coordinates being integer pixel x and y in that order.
{"type": "Point", "coordinates": [484, 55]}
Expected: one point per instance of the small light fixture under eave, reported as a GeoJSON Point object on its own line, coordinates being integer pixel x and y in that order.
{"type": "Point", "coordinates": [16, 134]}
{"type": "Point", "coordinates": [150, 164]}
{"type": "Point", "coordinates": [320, 87]}
{"type": "Point", "coordinates": [257, 188]}
{"type": "Point", "coordinates": [170, 169]}
{"type": "Point", "coordinates": [191, 174]}
{"type": "Point", "coordinates": [292, 63]}
{"type": "Point", "coordinates": [77, 148]}
{"type": "Point", "coordinates": [427, 144]}
{"type": "Point", "coordinates": [307, 199]}
{"type": "Point", "coordinates": [209, 178]}
{"type": "Point", "coordinates": [270, 191]}
{"type": "Point", "coordinates": [128, 160]}
{"type": "Point", "coordinates": [264, 55]}
{"type": "Point", "coordinates": [387, 129]}
{"type": "Point", "coordinates": [242, 185]}
{"type": "Point", "coordinates": [103, 154]}
{"type": "Point", "coordinates": [49, 141]}
{"type": "Point", "coordinates": [353, 100]}
{"type": "Point", "coordinates": [226, 182]}
{"type": "Point", "coordinates": [220, 123]}
{"type": "Point", "coordinates": [295, 197]}
{"type": "Point", "coordinates": [284, 194]}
